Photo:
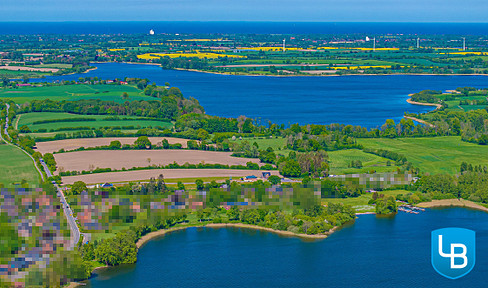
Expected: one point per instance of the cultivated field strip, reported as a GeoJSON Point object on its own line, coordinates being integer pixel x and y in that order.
{"type": "Point", "coordinates": [118, 159]}
{"type": "Point", "coordinates": [141, 175]}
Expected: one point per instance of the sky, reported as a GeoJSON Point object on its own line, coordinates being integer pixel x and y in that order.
{"type": "Point", "coordinates": [246, 10]}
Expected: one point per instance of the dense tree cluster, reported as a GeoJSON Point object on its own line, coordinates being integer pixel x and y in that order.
{"type": "Point", "coordinates": [184, 63]}
{"type": "Point", "coordinates": [304, 164]}
{"type": "Point", "coordinates": [170, 105]}
{"type": "Point", "coordinates": [211, 124]}
{"type": "Point", "coordinates": [471, 184]}
{"type": "Point", "coordinates": [472, 126]}
{"type": "Point", "coordinates": [426, 96]}
{"type": "Point", "coordinates": [384, 205]}
{"type": "Point", "coordinates": [120, 249]}
{"type": "Point", "coordinates": [315, 220]}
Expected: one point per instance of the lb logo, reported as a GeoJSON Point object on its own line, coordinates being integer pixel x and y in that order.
{"type": "Point", "coordinates": [453, 251]}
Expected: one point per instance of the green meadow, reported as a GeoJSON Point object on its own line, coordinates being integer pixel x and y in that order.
{"type": "Point", "coordinates": [471, 98]}
{"type": "Point", "coordinates": [29, 119]}
{"type": "Point", "coordinates": [304, 60]}
{"type": "Point", "coordinates": [105, 92]}
{"type": "Point", "coordinates": [16, 166]}
{"type": "Point", "coordinates": [360, 204]}
{"type": "Point", "coordinates": [263, 143]}
{"type": "Point", "coordinates": [54, 65]}
{"type": "Point", "coordinates": [433, 154]}
{"type": "Point", "coordinates": [339, 162]}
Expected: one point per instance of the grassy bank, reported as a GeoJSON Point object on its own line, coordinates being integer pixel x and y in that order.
{"type": "Point", "coordinates": [360, 204]}
{"type": "Point", "coordinates": [33, 121]}
{"type": "Point", "coordinates": [16, 167]}
{"type": "Point", "coordinates": [104, 92]}
{"type": "Point", "coordinates": [434, 155]}
{"type": "Point", "coordinates": [340, 162]}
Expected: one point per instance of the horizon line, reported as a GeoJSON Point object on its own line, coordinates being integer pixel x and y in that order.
{"type": "Point", "coordinates": [246, 21]}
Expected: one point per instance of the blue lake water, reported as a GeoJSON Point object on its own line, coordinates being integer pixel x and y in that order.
{"type": "Point", "coordinates": [358, 100]}
{"type": "Point", "coordinates": [373, 252]}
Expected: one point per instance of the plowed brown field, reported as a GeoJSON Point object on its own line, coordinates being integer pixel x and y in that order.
{"type": "Point", "coordinates": [118, 159]}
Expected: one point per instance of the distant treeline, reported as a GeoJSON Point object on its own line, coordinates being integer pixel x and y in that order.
{"type": "Point", "coordinates": [399, 159]}
{"type": "Point", "coordinates": [249, 166]}
{"type": "Point", "coordinates": [89, 119]}
{"type": "Point", "coordinates": [75, 119]}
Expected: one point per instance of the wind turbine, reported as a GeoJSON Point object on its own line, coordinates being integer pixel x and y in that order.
{"type": "Point", "coordinates": [284, 40]}
{"type": "Point", "coordinates": [464, 44]}
{"type": "Point", "coordinates": [418, 42]}
{"type": "Point", "coordinates": [374, 42]}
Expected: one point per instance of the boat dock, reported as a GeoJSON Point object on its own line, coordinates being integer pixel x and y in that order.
{"type": "Point", "coordinates": [410, 209]}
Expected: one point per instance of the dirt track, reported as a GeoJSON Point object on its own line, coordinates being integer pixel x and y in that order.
{"type": "Point", "coordinates": [140, 175]}
{"type": "Point", "coordinates": [118, 159]}
{"type": "Point", "coordinates": [419, 120]}
{"type": "Point", "coordinates": [71, 144]}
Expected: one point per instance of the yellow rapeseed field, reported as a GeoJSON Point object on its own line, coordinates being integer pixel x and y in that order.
{"type": "Point", "coordinates": [377, 49]}
{"type": "Point", "coordinates": [444, 48]}
{"type": "Point", "coordinates": [466, 53]}
{"type": "Point", "coordinates": [360, 67]}
{"type": "Point", "coordinates": [196, 40]}
{"type": "Point", "coordinates": [278, 48]}
{"type": "Point", "coordinates": [147, 44]}
{"type": "Point", "coordinates": [208, 55]}
{"type": "Point", "coordinates": [116, 49]}
{"type": "Point", "coordinates": [219, 50]}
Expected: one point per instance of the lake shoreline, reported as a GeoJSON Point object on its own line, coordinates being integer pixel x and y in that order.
{"type": "Point", "coordinates": [155, 234]}
{"type": "Point", "coordinates": [314, 75]}
{"type": "Point", "coordinates": [84, 72]}
{"type": "Point", "coordinates": [410, 101]}
{"type": "Point", "coordinates": [452, 203]}
{"type": "Point", "coordinates": [448, 203]}
{"type": "Point", "coordinates": [144, 239]}
{"type": "Point", "coordinates": [292, 75]}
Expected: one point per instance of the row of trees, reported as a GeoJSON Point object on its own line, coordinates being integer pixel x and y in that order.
{"type": "Point", "coordinates": [471, 185]}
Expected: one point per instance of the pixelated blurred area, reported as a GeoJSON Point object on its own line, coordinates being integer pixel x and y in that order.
{"type": "Point", "coordinates": [107, 210]}
{"type": "Point", "coordinates": [33, 230]}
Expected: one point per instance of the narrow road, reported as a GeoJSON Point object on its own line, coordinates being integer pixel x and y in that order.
{"type": "Point", "coordinates": [75, 231]}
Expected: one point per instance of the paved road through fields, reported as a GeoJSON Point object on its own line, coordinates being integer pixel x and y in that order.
{"type": "Point", "coordinates": [75, 231]}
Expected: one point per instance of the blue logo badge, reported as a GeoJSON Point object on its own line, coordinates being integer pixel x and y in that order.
{"type": "Point", "coordinates": [453, 251]}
